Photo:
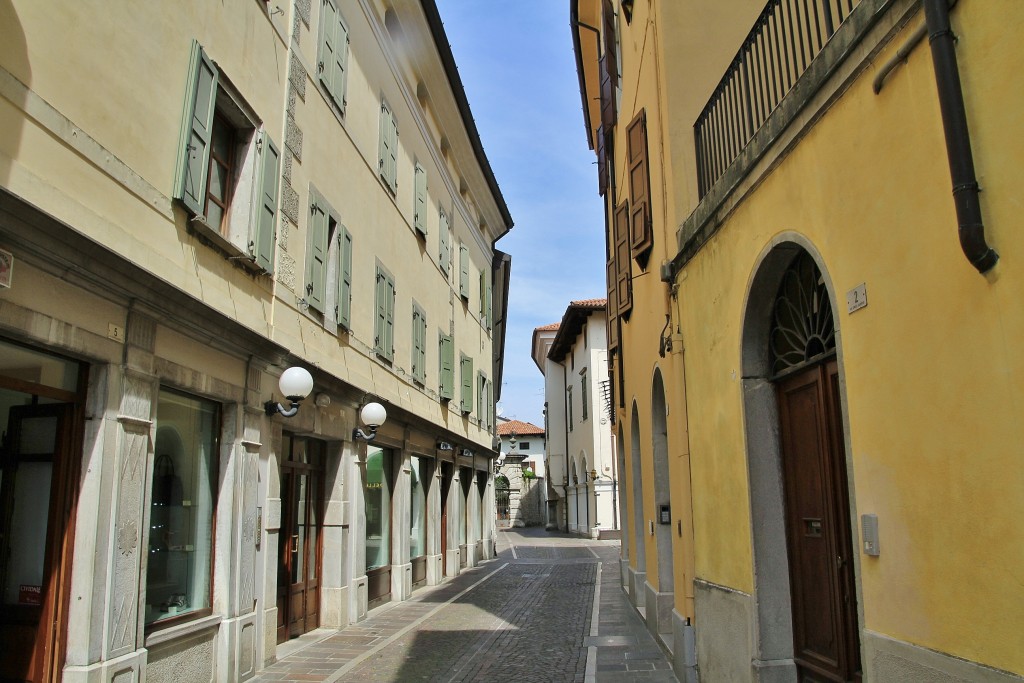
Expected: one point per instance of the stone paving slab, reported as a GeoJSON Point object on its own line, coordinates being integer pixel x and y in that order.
{"type": "Point", "coordinates": [548, 609]}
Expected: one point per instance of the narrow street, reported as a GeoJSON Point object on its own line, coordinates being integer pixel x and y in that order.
{"type": "Point", "coordinates": [548, 608]}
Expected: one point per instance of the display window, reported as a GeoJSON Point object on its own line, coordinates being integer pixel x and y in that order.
{"type": "Point", "coordinates": [184, 494]}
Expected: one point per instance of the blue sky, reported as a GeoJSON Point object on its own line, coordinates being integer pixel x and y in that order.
{"type": "Point", "coordinates": [516, 63]}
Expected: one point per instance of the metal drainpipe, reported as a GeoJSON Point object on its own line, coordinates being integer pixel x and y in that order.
{"type": "Point", "coordinates": [958, 140]}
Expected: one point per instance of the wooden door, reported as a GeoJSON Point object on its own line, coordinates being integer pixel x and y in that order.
{"type": "Point", "coordinates": [818, 531]}
{"type": "Point", "coordinates": [37, 494]}
{"type": "Point", "coordinates": [299, 557]}
{"type": "Point", "coordinates": [446, 485]}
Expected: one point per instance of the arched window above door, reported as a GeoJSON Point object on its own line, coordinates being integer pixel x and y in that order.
{"type": "Point", "coordinates": [803, 329]}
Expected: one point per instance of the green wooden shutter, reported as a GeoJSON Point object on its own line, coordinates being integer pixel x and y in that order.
{"type": "Point", "coordinates": [464, 271]}
{"type": "Point", "coordinates": [419, 344]}
{"type": "Point", "coordinates": [446, 354]}
{"type": "Point", "coordinates": [481, 398]}
{"type": "Point", "coordinates": [261, 247]}
{"type": "Point", "coordinates": [380, 321]}
{"type": "Point", "coordinates": [328, 46]}
{"type": "Point", "coordinates": [444, 235]}
{"type": "Point", "coordinates": [388, 147]}
{"type": "Point", "coordinates": [419, 219]}
{"type": "Point", "coordinates": [485, 298]}
{"type": "Point", "coordinates": [490, 405]}
{"type": "Point", "coordinates": [339, 79]}
{"type": "Point", "coordinates": [466, 372]}
{"type": "Point", "coordinates": [194, 162]}
{"type": "Point", "coordinates": [489, 313]}
{"type": "Point", "coordinates": [343, 305]}
{"type": "Point", "coordinates": [389, 318]}
{"type": "Point", "coordinates": [316, 265]}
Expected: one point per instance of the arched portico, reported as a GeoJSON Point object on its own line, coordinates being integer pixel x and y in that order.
{"type": "Point", "coordinates": [639, 567]}
{"type": "Point", "coordinates": [660, 598]}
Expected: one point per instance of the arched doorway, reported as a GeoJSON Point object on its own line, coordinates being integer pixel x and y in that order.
{"type": "Point", "coordinates": [800, 498]}
{"type": "Point", "coordinates": [502, 498]}
{"type": "Point", "coordinates": [637, 590]}
{"type": "Point", "coordinates": [574, 499]}
{"type": "Point", "coordinates": [662, 502]}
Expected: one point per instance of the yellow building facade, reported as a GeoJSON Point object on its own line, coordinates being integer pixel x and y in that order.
{"type": "Point", "coordinates": [842, 327]}
{"type": "Point", "coordinates": [196, 201]}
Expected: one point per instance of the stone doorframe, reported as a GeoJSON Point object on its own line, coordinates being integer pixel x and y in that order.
{"type": "Point", "coordinates": [772, 654]}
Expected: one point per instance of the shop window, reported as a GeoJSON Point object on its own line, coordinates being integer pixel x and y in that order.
{"type": "Point", "coordinates": [184, 494]}
{"type": "Point", "coordinates": [377, 502]}
{"type": "Point", "coordinates": [417, 509]}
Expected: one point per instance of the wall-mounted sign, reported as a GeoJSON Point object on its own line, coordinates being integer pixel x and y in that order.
{"type": "Point", "coordinates": [857, 298]}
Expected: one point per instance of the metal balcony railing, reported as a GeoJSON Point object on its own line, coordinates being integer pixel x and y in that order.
{"type": "Point", "coordinates": [786, 37]}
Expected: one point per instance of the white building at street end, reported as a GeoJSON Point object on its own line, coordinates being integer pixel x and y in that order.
{"type": "Point", "coordinates": [581, 466]}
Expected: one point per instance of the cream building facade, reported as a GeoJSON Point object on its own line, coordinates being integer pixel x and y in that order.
{"type": "Point", "coordinates": [191, 202]}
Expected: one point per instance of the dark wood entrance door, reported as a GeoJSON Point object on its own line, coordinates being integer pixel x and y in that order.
{"type": "Point", "coordinates": [818, 530]}
{"type": "Point", "coordinates": [298, 571]}
{"type": "Point", "coordinates": [37, 494]}
{"type": "Point", "coordinates": [446, 485]}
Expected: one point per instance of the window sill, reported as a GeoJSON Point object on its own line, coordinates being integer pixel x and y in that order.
{"type": "Point", "coordinates": [179, 630]}
{"type": "Point", "coordinates": [198, 226]}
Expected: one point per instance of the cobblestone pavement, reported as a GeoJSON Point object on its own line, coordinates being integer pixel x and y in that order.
{"type": "Point", "coordinates": [528, 616]}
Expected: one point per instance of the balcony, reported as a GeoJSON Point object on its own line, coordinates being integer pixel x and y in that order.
{"type": "Point", "coordinates": [786, 38]}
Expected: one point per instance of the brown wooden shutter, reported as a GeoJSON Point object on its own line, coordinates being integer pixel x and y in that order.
{"type": "Point", "coordinates": [608, 67]}
{"type": "Point", "coordinates": [639, 186]}
{"type": "Point", "coordinates": [623, 272]}
{"type": "Point", "coordinates": [613, 309]}
{"type": "Point", "coordinates": [602, 163]}
{"type": "Point", "coordinates": [611, 275]}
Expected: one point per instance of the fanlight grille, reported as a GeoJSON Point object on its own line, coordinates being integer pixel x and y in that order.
{"type": "Point", "coordinates": [802, 325]}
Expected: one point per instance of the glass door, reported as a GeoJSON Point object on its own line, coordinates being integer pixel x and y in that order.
{"type": "Point", "coordinates": [40, 423]}
{"type": "Point", "coordinates": [299, 556]}
{"type": "Point", "coordinates": [377, 501]}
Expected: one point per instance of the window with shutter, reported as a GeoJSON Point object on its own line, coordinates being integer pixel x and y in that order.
{"type": "Point", "coordinates": [611, 277]}
{"type": "Point", "coordinates": [466, 379]}
{"type": "Point", "coordinates": [388, 148]}
{"type": "Point", "coordinates": [464, 271]}
{"type": "Point", "coordinates": [419, 344]}
{"type": "Point", "coordinates": [419, 219]}
{"type": "Point", "coordinates": [446, 356]}
{"type": "Point", "coordinates": [583, 394]}
{"type": "Point", "coordinates": [384, 340]}
{"type": "Point", "coordinates": [639, 188]}
{"type": "Point", "coordinates": [332, 61]}
{"type": "Point", "coordinates": [319, 228]}
{"type": "Point", "coordinates": [490, 409]}
{"type": "Point", "coordinates": [227, 169]}
{"type": "Point", "coordinates": [343, 302]}
{"type": "Point", "coordinates": [444, 243]}
{"type": "Point", "coordinates": [623, 267]}
{"type": "Point", "coordinates": [602, 163]}
{"type": "Point", "coordinates": [261, 247]}
{"type": "Point", "coordinates": [568, 407]}
{"type": "Point", "coordinates": [485, 298]}
{"type": "Point", "coordinates": [481, 399]}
